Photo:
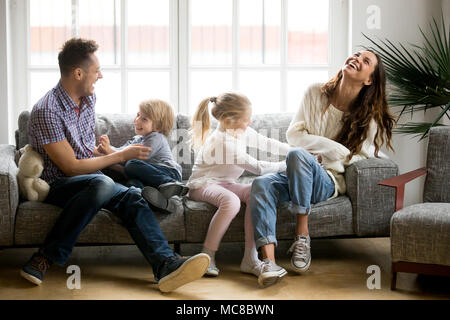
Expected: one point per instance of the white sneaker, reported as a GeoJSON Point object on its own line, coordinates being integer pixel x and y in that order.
{"type": "Point", "coordinates": [301, 254]}
{"type": "Point", "coordinates": [251, 268]}
{"type": "Point", "coordinates": [271, 273]}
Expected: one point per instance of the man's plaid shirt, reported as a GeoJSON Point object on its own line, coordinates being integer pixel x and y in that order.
{"type": "Point", "coordinates": [55, 118]}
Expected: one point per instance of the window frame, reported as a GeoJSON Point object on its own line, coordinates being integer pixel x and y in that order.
{"type": "Point", "coordinates": [337, 49]}
{"type": "Point", "coordinates": [180, 39]}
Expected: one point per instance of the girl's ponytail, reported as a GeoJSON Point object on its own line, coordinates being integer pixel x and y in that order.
{"type": "Point", "coordinates": [201, 124]}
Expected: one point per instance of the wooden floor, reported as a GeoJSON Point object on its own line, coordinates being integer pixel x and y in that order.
{"type": "Point", "coordinates": [338, 271]}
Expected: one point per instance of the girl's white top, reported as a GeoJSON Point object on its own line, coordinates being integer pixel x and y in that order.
{"type": "Point", "coordinates": [314, 130]}
{"type": "Point", "coordinates": [223, 157]}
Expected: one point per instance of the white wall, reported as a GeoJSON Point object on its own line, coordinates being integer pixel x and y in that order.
{"type": "Point", "coordinates": [12, 58]}
{"type": "Point", "coordinates": [399, 22]}
{"type": "Point", "coordinates": [4, 83]}
{"type": "Point", "coordinates": [446, 9]}
{"type": "Point", "coordinates": [18, 47]}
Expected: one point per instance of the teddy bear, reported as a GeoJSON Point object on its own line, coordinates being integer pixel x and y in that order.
{"type": "Point", "coordinates": [31, 165]}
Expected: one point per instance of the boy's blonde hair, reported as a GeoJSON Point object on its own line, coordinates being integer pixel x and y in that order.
{"type": "Point", "coordinates": [161, 114]}
{"type": "Point", "coordinates": [229, 105]}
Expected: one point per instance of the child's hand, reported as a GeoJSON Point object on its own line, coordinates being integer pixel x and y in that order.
{"type": "Point", "coordinates": [318, 157]}
{"type": "Point", "coordinates": [104, 141]}
{"type": "Point", "coordinates": [105, 145]}
{"type": "Point", "coordinates": [97, 152]}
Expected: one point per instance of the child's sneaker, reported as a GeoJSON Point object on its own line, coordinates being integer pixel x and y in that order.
{"type": "Point", "coordinates": [271, 273]}
{"type": "Point", "coordinates": [35, 269]}
{"type": "Point", "coordinates": [157, 200]}
{"type": "Point", "coordinates": [177, 271]}
{"type": "Point", "coordinates": [174, 188]}
{"type": "Point", "coordinates": [212, 271]}
{"type": "Point", "coordinates": [301, 253]}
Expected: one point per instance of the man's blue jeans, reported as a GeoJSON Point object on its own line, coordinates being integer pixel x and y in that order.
{"type": "Point", "coordinates": [305, 182]}
{"type": "Point", "coordinates": [143, 174]}
{"type": "Point", "coordinates": [81, 197]}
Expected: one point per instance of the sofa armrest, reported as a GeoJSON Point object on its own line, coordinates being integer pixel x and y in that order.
{"type": "Point", "coordinates": [373, 205]}
{"type": "Point", "coordinates": [399, 183]}
{"type": "Point", "coordinates": [9, 194]}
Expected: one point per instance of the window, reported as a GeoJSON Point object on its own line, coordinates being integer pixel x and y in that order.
{"type": "Point", "coordinates": [184, 51]}
{"type": "Point", "coordinates": [133, 36]}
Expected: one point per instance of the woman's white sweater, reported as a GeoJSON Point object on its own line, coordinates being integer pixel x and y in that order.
{"type": "Point", "coordinates": [314, 130]}
{"type": "Point", "coordinates": [223, 157]}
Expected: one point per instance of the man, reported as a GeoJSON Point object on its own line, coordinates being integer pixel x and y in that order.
{"type": "Point", "coordinates": [61, 129]}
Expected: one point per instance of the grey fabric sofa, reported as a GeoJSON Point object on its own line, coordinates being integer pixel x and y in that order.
{"type": "Point", "coordinates": [365, 211]}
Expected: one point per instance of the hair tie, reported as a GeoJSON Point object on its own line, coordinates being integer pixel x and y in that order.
{"type": "Point", "coordinates": [213, 99]}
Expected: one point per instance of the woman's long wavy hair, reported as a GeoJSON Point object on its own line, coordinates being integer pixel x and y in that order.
{"type": "Point", "coordinates": [371, 103]}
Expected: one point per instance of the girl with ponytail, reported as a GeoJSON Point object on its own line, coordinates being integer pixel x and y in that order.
{"type": "Point", "coordinates": [221, 159]}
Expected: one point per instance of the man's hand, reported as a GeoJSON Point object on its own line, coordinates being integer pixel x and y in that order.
{"type": "Point", "coordinates": [62, 154]}
{"type": "Point", "coordinates": [135, 151]}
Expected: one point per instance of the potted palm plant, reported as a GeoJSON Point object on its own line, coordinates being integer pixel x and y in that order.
{"type": "Point", "coordinates": [419, 76]}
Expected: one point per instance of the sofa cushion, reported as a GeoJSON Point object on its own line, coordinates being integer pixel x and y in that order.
{"type": "Point", "coordinates": [373, 204]}
{"type": "Point", "coordinates": [421, 233]}
{"type": "Point", "coordinates": [437, 182]}
{"type": "Point", "coordinates": [184, 154]}
{"type": "Point", "coordinates": [329, 218]}
{"type": "Point", "coordinates": [34, 221]}
{"type": "Point", "coordinates": [118, 127]}
{"type": "Point", "coordinates": [22, 132]}
{"type": "Point", "coordinates": [272, 125]}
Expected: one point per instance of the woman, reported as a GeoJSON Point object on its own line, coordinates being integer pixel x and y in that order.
{"type": "Point", "coordinates": [338, 123]}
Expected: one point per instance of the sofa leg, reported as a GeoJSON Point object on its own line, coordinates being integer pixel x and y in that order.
{"type": "Point", "coordinates": [177, 247]}
{"type": "Point", "coordinates": [393, 275]}
{"type": "Point", "coordinates": [393, 280]}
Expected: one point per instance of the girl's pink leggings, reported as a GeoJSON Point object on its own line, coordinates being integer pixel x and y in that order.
{"type": "Point", "coordinates": [227, 197]}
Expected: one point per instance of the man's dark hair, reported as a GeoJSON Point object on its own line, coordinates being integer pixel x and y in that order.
{"type": "Point", "coordinates": [75, 54]}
